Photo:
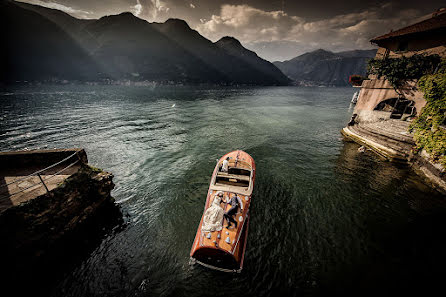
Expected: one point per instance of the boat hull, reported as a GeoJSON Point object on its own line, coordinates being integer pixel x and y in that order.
{"type": "Point", "coordinates": [224, 249]}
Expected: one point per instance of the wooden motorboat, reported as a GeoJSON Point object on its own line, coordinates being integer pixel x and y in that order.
{"type": "Point", "coordinates": [223, 248]}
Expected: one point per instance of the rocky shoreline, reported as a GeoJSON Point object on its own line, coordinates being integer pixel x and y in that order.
{"type": "Point", "coordinates": [54, 228]}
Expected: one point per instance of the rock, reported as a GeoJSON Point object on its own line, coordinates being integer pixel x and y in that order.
{"type": "Point", "coordinates": [55, 227]}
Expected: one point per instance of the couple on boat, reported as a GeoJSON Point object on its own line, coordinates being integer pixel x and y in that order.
{"type": "Point", "coordinates": [213, 217]}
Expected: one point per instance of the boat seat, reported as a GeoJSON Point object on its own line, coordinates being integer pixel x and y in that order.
{"type": "Point", "coordinates": [234, 176]}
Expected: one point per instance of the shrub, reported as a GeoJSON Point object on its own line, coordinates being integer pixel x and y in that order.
{"type": "Point", "coordinates": [399, 70]}
{"type": "Point", "coordinates": [428, 127]}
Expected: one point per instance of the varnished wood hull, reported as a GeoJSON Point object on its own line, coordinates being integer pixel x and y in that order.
{"type": "Point", "coordinates": [225, 250]}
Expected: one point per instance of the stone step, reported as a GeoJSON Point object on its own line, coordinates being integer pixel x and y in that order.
{"type": "Point", "coordinates": [395, 134]}
{"type": "Point", "coordinates": [378, 147]}
{"type": "Point", "coordinates": [401, 148]}
{"type": "Point", "coordinates": [394, 126]}
{"type": "Point", "coordinates": [392, 142]}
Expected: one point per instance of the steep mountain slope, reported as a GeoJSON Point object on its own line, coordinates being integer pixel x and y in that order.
{"type": "Point", "coordinates": [131, 48]}
{"type": "Point", "coordinates": [249, 64]}
{"type": "Point", "coordinates": [323, 67]}
{"type": "Point", "coordinates": [122, 47]}
{"type": "Point", "coordinates": [38, 49]}
{"type": "Point", "coordinates": [70, 25]}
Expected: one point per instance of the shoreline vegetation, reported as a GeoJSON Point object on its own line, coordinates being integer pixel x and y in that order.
{"type": "Point", "coordinates": [429, 71]}
{"type": "Point", "coordinates": [429, 127]}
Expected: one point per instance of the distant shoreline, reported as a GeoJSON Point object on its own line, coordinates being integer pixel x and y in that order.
{"type": "Point", "coordinates": [161, 83]}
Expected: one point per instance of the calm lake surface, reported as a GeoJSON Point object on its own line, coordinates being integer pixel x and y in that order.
{"type": "Point", "coordinates": [325, 218]}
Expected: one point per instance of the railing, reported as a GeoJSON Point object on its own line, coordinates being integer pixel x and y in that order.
{"type": "Point", "coordinates": [38, 174]}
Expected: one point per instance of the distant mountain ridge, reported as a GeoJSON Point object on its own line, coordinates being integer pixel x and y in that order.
{"type": "Point", "coordinates": [46, 44]}
{"type": "Point", "coordinates": [325, 68]}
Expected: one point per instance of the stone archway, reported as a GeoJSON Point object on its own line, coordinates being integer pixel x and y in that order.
{"type": "Point", "coordinates": [398, 107]}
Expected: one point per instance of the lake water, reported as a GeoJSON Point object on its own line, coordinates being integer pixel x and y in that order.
{"type": "Point", "coordinates": [325, 219]}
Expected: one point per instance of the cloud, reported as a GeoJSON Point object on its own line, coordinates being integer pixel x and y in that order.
{"type": "Point", "coordinates": [156, 9]}
{"type": "Point", "coordinates": [257, 28]}
{"type": "Point", "coordinates": [274, 35]}
{"type": "Point", "coordinates": [159, 8]}
{"type": "Point", "coordinates": [248, 24]}
{"type": "Point", "coordinates": [70, 10]}
{"type": "Point", "coordinates": [137, 9]}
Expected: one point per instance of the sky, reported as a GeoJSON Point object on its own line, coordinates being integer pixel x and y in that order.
{"type": "Point", "coordinates": [276, 30]}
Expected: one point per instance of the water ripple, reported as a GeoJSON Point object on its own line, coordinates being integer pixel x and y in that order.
{"type": "Point", "coordinates": [325, 218]}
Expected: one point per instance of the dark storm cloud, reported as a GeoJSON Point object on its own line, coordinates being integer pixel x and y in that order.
{"type": "Point", "coordinates": [275, 29]}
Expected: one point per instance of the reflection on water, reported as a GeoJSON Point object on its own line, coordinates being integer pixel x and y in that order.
{"type": "Point", "coordinates": [325, 218]}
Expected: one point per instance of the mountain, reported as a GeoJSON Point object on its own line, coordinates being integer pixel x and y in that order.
{"type": "Point", "coordinates": [326, 68]}
{"type": "Point", "coordinates": [243, 57]}
{"type": "Point", "coordinates": [47, 44]}
{"type": "Point", "coordinates": [36, 48]}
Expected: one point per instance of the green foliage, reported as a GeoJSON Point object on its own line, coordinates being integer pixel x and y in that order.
{"type": "Point", "coordinates": [95, 169]}
{"type": "Point", "coordinates": [398, 70]}
{"type": "Point", "coordinates": [428, 128]}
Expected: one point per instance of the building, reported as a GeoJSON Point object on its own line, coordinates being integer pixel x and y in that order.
{"type": "Point", "coordinates": [382, 115]}
{"type": "Point", "coordinates": [377, 100]}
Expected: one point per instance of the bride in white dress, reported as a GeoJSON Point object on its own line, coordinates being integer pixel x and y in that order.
{"type": "Point", "coordinates": [213, 217]}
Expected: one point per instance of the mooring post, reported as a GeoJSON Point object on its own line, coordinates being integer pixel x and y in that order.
{"type": "Point", "coordinates": [38, 174]}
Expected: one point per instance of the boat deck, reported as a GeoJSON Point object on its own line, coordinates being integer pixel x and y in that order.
{"type": "Point", "coordinates": [227, 238]}
{"type": "Point", "coordinates": [220, 247]}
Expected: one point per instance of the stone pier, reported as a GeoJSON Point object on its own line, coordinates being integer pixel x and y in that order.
{"type": "Point", "coordinates": [17, 182]}
{"type": "Point", "coordinates": [44, 228]}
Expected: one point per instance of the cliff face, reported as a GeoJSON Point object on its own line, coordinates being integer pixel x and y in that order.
{"type": "Point", "coordinates": [326, 68]}
{"type": "Point", "coordinates": [42, 236]}
{"type": "Point", "coordinates": [45, 44]}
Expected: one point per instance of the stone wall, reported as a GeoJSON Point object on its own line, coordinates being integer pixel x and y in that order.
{"type": "Point", "coordinates": [373, 128]}
{"type": "Point", "coordinates": [374, 91]}
{"type": "Point", "coordinates": [41, 236]}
